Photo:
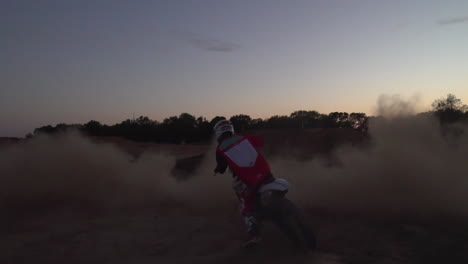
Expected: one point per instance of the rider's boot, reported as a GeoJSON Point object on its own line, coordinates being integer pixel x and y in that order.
{"type": "Point", "coordinates": [252, 229]}
{"type": "Point", "coordinates": [252, 240]}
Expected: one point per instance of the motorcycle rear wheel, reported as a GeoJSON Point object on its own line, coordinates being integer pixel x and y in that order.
{"type": "Point", "coordinates": [289, 219]}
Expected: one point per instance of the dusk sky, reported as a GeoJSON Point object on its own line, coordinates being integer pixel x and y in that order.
{"type": "Point", "coordinates": [74, 61]}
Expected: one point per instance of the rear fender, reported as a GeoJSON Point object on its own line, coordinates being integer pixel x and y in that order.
{"type": "Point", "coordinates": [277, 185]}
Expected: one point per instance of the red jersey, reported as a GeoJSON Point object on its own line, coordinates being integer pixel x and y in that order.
{"type": "Point", "coordinates": [241, 155]}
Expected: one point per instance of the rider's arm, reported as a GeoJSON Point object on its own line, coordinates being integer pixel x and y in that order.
{"type": "Point", "coordinates": [221, 163]}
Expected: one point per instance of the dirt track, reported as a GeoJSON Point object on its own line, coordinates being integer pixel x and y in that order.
{"type": "Point", "coordinates": [182, 235]}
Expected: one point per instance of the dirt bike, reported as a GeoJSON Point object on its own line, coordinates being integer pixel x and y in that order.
{"type": "Point", "coordinates": [274, 206]}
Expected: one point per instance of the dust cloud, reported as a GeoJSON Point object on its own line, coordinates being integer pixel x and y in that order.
{"type": "Point", "coordinates": [390, 106]}
{"type": "Point", "coordinates": [412, 166]}
{"type": "Point", "coordinates": [409, 166]}
{"type": "Point", "coordinates": [71, 169]}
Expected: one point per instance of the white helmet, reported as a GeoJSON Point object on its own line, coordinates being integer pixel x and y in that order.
{"type": "Point", "coordinates": [223, 126]}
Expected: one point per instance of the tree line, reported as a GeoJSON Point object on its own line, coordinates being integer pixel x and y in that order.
{"type": "Point", "coordinates": [187, 128]}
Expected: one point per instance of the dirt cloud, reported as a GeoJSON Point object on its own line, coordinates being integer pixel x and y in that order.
{"type": "Point", "coordinates": [408, 167]}
{"type": "Point", "coordinates": [70, 168]}
{"type": "Point", "coordinates": [411, 167]}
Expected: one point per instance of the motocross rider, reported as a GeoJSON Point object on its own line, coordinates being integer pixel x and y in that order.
{"type": "Point", "coordinates": [250, 171]}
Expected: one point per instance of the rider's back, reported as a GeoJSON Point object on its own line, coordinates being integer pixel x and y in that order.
{"type": "Point", "coordinates": [243, 158]}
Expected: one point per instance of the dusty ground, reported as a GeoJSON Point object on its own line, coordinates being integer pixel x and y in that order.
{"type": "Point", "coordinates": [181, 235]}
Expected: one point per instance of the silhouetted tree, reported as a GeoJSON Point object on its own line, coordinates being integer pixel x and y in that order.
{"type": "Point", "coordinates": [279, 122]}
{"type": "Point", "coordinates": [257, 123]}
{"type": "Point", "coordinates": [241, 122]}
{"type": "Point", "coordinates": [358, 121]}
{"type": "Point", "coordinates": [93, 128]}
{"type": "Point", "coordinates": [59, 128]}
{"type": "Point", "coordinates": [44, 130]}
{"type": "Point", "coordinates": [449, 109]}
{"type": "Point", "coordinates": [305, 119]}
{"type": "Point", "coordinates": [450, 103]}
{"type": "Point", "coordinates": [339, 119]}
{"type": "Point", "coordinates": [180, 129]}
{"type": "Point", "coordinates": [203, 129]}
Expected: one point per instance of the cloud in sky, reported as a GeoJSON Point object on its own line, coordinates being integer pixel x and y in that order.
{"type": "Point", "coordinates": [204, 42]}
{"type": "Point", "coordinates": [216, 45]}
{"type": "Point", "coordinates": [453, 20]}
